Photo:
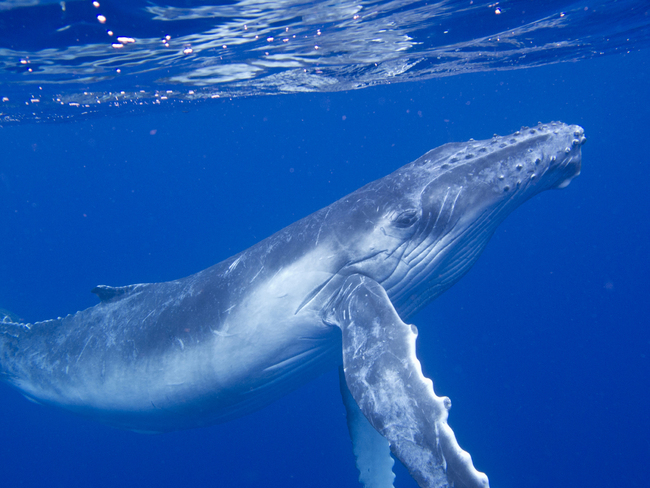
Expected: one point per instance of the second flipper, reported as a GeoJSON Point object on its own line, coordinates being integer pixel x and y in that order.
{"type": "Point", "coordinates": [385, 378]}
{"type": "Point", "coordinates": [371, 449]}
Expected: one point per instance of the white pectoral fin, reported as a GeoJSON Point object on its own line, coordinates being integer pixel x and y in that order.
{"type": "Point", "coordinates": [371, 449]}
{"type": "Point", "coordinates": [385, 378]}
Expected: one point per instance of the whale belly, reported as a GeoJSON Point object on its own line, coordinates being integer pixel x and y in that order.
{"type": "Point", "coordinates": [194, 380]}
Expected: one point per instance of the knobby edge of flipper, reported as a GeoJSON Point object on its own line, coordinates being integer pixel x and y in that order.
{"type": "Point", "coordinates": [385, 378]}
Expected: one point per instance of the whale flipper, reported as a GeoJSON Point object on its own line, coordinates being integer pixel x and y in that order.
{"type": "Point", "coordinates": [385, 378]}
{"type": "Point", "coordinates": [371, 449]}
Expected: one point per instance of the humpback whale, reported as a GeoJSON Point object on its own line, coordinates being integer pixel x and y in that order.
{"type": "Point", "coordinates": [334, 289]}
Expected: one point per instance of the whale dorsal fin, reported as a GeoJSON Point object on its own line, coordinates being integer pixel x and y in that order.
{"type": "Point", "coordinates": [7, 317]}
{"type": "Point", "coordinates": [106, 293]}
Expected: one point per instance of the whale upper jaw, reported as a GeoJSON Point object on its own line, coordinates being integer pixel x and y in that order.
{"type": "Point", "coordinates": [570, 159]}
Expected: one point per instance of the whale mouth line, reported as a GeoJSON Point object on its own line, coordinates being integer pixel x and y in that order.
{"type": "Point", "coordinates": [574, 163]}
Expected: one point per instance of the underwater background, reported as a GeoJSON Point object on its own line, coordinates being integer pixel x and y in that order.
{"type": "Point", "coordinates": [543, 348]}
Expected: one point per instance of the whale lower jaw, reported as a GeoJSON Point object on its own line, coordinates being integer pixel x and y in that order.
{"type": "Point", "coordinates": [565, 183]}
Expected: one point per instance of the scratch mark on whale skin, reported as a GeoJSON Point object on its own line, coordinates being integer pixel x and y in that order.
{"type": "Point", "coordinates": [321, 225]}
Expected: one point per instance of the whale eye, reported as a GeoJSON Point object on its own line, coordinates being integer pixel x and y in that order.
{"type": "Point", "coordinates": [406, 219]}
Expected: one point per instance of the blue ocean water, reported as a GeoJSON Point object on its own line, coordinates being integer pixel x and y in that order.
{"type": "Point", "coordinates": [544, 347]}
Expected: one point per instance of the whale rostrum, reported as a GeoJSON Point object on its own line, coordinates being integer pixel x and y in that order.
{"type": "Point", "coordinates": [335, 289]}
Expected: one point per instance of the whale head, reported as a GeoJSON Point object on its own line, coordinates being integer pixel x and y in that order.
{"type": "Point", "coordinates": [420, 229]}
